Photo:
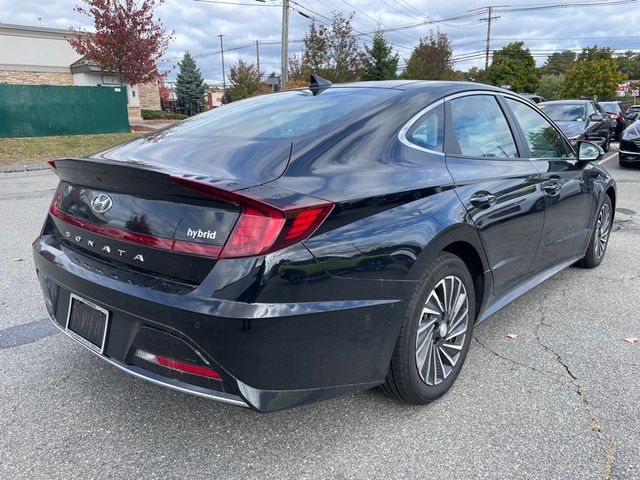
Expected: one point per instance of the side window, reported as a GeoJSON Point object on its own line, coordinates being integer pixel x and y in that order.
{"type": "Point", "coordinates": [428, 131]}
{"type": "Point", "coordinates": [481, 128]}
{"type": "Point", "coordinates": [590, 109]}
{"type": "Point", "coordinates": [544, 141]}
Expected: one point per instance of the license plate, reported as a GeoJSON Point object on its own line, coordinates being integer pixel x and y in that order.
{"type": "Point", "coordinates": [87, 323]}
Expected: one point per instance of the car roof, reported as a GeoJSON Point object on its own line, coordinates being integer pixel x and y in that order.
{"type": "Point", "coordinates": [559, 102]}
{"type": "Point", "coordinates": [423, 85]}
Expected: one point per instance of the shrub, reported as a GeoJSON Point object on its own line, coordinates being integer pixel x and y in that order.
{"type": "Point", "coordinates": [161, 114]}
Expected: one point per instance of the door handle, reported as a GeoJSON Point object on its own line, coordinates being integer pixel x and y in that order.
{"type": "Point", "coordinates": [482, 199]}
{"type": "Point", "coordinates": [551, 188]}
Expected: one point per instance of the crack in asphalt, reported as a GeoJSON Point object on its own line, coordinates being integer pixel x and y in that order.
{"type": "Point", "coordinates": [519, 364]}
{"type": "Point", "coordinates": [596, 428]}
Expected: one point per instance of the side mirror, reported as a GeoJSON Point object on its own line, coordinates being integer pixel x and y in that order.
{"type": "Point", "coordinates": [594, 117]}
{"type": "Point", "coordinates": [588, 152]}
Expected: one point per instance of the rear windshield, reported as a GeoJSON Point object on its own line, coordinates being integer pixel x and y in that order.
{"type": "Point", "coordinates": [565, 112]}
{"type": "Point", "coordinates": [284, 115]}
{"type": "Point", "coordinates": [611, 107]}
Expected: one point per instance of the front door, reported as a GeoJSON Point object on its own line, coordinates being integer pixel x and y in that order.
{"type": "Point", "coordinates": [566, 183]}
{"type": "Point", "coordinates": [499, 189]}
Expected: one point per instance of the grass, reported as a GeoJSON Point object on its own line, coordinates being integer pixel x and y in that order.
{"type": "Point", "coordinates": [25, 151]}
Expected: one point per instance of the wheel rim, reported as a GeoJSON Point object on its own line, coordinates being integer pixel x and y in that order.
{"type": "Point", "coordinates": [603, 227]}
{"type": "Point", "coordinates": [442, 330]}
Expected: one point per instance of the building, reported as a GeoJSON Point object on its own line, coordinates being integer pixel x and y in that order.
{"type": "Point", "coordinates": [43, 56]}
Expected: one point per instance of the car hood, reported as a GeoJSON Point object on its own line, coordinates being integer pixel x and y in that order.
{"type": "Point", "coordinates": [572, 129]}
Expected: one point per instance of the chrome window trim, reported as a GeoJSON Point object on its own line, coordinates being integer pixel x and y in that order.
{"type": "Point", "coordinates": [402, 134]}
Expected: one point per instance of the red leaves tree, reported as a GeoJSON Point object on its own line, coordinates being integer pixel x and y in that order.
{"type": "Point", "coordinates": [128, 41]}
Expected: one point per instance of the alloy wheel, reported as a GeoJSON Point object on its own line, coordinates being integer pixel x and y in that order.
{"type": "Point", "coordinates": [442, 330]}
{"type": "Point", "coordinates": [603, 226]}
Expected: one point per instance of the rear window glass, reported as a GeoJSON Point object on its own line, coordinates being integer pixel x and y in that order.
{"type": "Point", "coordinates": [565, 112]}
{"type": "Point", "coordinates": [283, 115]}
{"type": "Point", "coordinates": [611, 107]}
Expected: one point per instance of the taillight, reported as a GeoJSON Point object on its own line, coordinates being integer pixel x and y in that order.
{"type": "Point", "coordinates": [262, 227]}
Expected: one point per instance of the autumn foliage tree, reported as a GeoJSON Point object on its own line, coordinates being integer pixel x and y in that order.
{"type": "Point", "coordinates": [128, 41]}
{"type": "Point", "coordinates": [245, 80]}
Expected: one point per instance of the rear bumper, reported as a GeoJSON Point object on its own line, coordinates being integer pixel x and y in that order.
{"type": "Point", "coordinates": [269, 356]}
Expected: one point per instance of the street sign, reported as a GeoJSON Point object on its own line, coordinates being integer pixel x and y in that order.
{"type": "Point", "coordinates": [635, 93]}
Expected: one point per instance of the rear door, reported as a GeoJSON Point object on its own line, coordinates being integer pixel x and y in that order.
{"type": "Point", "coordinates": [566, 183]}
{"type": "Point", "coordinates": [499, 189]}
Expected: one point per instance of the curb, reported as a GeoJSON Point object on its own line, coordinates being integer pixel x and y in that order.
{"type": "Point", "coordinates": [25, 168]}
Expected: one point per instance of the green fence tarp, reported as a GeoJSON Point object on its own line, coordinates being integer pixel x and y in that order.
{"type": "Point", "coordinates": [42, 110]}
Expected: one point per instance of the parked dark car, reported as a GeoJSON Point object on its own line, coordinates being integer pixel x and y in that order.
{"type": "Point", "coordinates": [632, 113]}
{"type": "Point", "coordinates": [580, 120]}
{"type": "Point", "coordinates": [629, 152]}
{"type": "Point", "coordinates": [532, 97]}
{"type": "Point", "coordinates": [618, 117]}
{"type": "Point", "coordinates": [294, 247]}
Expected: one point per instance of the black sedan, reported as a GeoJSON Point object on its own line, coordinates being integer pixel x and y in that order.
{"type": "Point", "coordinates": [618, 117]}
{"type": "Point", "coordinates": [294, 247]}
{"type": "Point", "coordinates": [629, 153]}
{"type": "Point", "coordinates": [580, 120]}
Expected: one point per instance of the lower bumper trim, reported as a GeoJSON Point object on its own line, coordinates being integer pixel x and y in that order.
{"type": "Point", "coordinates": [164, 381]}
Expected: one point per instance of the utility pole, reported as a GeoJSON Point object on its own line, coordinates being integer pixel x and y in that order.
{"type": "Point", "coordinates": [258, 57]}
{"type": "Point", "coordinates": [224, 81]}
{"type": "Point", "coordinates": [488, 20]}
{"type": "Point", "coordinates": [285, 44]}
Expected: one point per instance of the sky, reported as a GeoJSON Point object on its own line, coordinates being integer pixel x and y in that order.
{"type": "Point", "coordinates": [197, 24]}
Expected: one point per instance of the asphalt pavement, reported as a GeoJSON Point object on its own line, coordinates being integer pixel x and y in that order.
{"type": "Point", "coordinates": [559, 400]}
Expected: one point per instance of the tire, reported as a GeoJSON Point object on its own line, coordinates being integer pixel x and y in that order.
{"type": "Point", "coordinates": [404, 380]}
{"type": "Point", "coordinates": [600, 236]}
{"type": "Point", "coordinates": [607, 145]}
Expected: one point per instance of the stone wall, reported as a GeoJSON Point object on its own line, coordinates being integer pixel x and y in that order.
{"type": "Point", "coordinates": [149, 96]}
{"type": "Point", "coordinates": [16, 77]}
{"type": "Point", "coordinates": [135, 114]}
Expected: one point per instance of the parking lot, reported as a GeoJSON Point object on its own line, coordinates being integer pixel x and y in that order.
{"type": "Point", "coordinates": [550, 389]}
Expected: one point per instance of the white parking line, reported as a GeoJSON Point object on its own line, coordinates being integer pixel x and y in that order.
{"type": "Point", "coordinates": [608, 157]}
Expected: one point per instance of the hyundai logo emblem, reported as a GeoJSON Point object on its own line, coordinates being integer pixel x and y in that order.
{"type": "Point", "coordinates": [101, 203]}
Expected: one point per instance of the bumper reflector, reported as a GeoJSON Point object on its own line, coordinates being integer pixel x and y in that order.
{"type": "Point", "coordinates": [177, 365]}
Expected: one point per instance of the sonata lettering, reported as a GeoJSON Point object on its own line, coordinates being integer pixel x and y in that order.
{"type": "Point", "coordinates": [138, 257]}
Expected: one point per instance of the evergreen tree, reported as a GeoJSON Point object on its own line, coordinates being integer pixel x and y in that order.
{"type": "Point", "coordinates": [431, 59]}
{"type": "Point", "coordinates": [190, 86]}
{"type": "Point", "coordinates": [558, 63]}
{"type": "Point", "coordinates": [380, 63]}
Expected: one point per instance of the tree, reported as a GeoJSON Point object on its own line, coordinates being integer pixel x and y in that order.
{"type": "Point", "coordinates": [245, 80]}
{"type": "Point", "coordinates": [315, 57]}
{"type": "Point", "coordinates": [513, 65]}
{"type": "Point", "coordinates": [629, 64]}
{"type": "Point", "coordinates": [593, 76]}
{"type": "Point", "coordinates": [190, 85]}
{"type": "Point", "coordinates": [346, 59]}
{"type": "Point", "coordinates": [550, 87]}
{"type": "Point", "coordinates": [431, 59]}
{"type": "Point", "coordinates": [128, 41]}
{"type": "Point", "coordinates": [595, 53]}
{"type": "Point", "coordinates": [333, 52]}
{"type": "Point", "coordinates": [474, 74]}
{"type": "Point", "coordinates": [380, 63]}
{"type": "Point", "coordinates": [558, 63]}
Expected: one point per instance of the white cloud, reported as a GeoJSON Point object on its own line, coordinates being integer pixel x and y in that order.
{"type": "Point", "coordinates": [197, 25]}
